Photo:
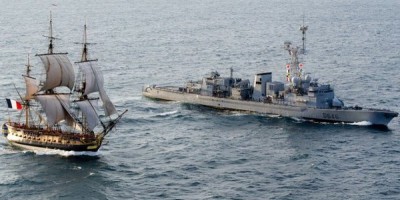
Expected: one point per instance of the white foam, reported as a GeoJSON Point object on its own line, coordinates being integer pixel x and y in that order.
{"type": "Point", "coordinates": [168, 113]}
{"type": "Point", "coordinates": [63, 153]}
{"type": "Point", "coordinates": [298, 119]}
{"type": "Point", "coordinates": [236, 113]}
{"type": "Point", "coordinates": [135, 98]}
{"type": "Point", "coordinates": [362, 123]}
{"type": "Point", "coordinates": [274, 116]}
{"type": "Point", "coordinates": [7, 151]}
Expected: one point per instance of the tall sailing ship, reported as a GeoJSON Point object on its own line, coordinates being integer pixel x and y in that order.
{"type": "Point", "coordinates": [62, 111]}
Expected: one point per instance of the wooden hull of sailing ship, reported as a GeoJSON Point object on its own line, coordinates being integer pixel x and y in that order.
{"type": "Point", "coordinates": [38, 138]}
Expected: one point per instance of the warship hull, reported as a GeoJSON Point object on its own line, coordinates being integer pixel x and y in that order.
{"type": "Point", "coordinates": [345, 115]}
{"type": "Point", "coordinates": [35, 139]}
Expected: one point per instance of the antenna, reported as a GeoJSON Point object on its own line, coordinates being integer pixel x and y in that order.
{"type": "Point", "coordinates": [303, 30]}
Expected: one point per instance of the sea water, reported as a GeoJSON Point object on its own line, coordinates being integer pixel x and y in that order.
{"type": "Point", "coordinates": [168, 150]}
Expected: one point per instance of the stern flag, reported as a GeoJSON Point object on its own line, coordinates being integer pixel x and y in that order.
{"type": "Point", "coordinates": [14, 104]}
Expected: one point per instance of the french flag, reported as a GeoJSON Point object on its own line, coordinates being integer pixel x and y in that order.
{"type": "Point", "coordinates": [14, 104]}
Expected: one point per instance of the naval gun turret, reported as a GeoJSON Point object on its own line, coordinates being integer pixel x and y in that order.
{"type": "Point", "coordinates": [223, 87]}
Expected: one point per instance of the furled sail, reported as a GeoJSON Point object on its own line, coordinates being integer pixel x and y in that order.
{"type": "Point", "coordinates": [31, 87]}
{"type": "Point", "coordinates": [94, 82]}
{"type": "Point", "coordinates": [59, 71]}
{"type": "Point", "coordinates": [88, 107]}
{"type": "Point", "coordinates": [55, 107]}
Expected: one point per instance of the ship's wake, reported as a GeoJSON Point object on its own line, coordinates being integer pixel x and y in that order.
{"type": "Point", "coordinates": [62, 152]}
{"type": "Point", "coordinates": [298, 120]}
{"type": "Point", "coordinates": [362, 123]}
{"type": "Point", "coordinates": [7, 151]}
{"type": "Point", "coordinates": [167, 113]}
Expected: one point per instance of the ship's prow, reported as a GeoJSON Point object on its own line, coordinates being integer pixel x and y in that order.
{"type": "Point", "coordinates": [362, 117]}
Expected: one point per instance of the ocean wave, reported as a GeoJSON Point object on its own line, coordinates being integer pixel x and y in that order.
{"type": "Point", "coordinates": [236, 113]}
{"type": "Point", "coordinates": [7, 151]}
{"type": "Point", "coordinates": [298, 120]}
{"type": "Point", "coordinates": [166, 113]}
{"type": "Point", "coordinates": [274, 116]}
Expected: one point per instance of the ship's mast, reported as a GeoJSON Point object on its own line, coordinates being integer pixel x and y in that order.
{"type": "Point", "coordinates": [28, 67]}
{"type": "Point", "coordinates": [50, 36]}
{"type": "Point", "coordinates": [51, 46]}
{"type": "Point", "coordinates": [50, 51]}
{"type": "Point", "coordinates": [303, 30]}
{"type": "Point", "coordinates": [84, 50]}
{"type": "Point", "coordinates": [28, 70]}
{"type": "Point", "coordinates": [85, 58]}
{"type": "Point", "coordinates": [294, 68]}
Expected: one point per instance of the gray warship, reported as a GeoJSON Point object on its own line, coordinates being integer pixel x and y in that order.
{"type": "Point", "coordinates": [300, 97]}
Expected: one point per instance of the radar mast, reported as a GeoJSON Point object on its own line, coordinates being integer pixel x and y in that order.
{"type": "Point", "coordinates": [303, 30]}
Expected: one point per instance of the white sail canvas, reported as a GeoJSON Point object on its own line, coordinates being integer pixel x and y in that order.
{"type": "Point", "coordinates": [88, 108]}
{"type": "Point", "coordinates": [59, 71]}
{"type": "Point", "coordinates": [31, 87]}
{"type": "Point", "coordinates": [94, 82]}
{"type": "Point", "coordinates": [54, 108]}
